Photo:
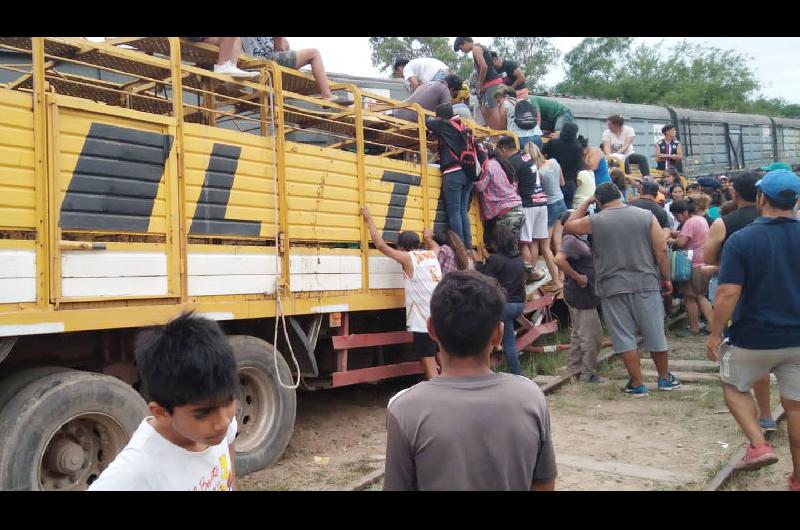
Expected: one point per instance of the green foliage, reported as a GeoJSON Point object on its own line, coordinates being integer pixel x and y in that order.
{"type": "Point", "coordinates": [534, 55]}
{"type": "Point", "coordinates": [688, 75]}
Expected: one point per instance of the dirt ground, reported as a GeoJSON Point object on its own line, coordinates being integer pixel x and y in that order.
{"type": "Point", "coordinates": [604, 440]}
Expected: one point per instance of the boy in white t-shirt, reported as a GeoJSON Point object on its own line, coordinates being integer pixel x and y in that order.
{"type": "Point", "coordinates": [421, 274]}
{"type": "Point", "coordinates": [189, 377]}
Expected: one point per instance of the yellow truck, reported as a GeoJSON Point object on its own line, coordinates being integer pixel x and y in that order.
{"type": "Point", "coordinates": [135, 184]}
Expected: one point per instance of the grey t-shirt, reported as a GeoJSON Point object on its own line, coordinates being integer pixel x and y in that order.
{"type": "Point", "coordinates": [429, 96]}
{"type": "Point", "coordinates": [489, 432]}
{"type": "Point", "coordinates": [623, 252]}
{"type": "Point", "coordinates": [551, 181]}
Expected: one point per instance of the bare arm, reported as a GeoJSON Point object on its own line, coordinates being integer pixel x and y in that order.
{"type": "Point", "coordinates": [232, 453]}
{"type": "Point", "coordinates": [727, 298]}
{"type": "Point", "coordinates": [483, 69]}
{"type": "Point", "coordinates": [281, 44]}
{"type": "Point", "coordinates": [550, 485]}
{"type": "Point", "coordinates": [578, 224]}
{"type": "Point", "coordinates": [561, 181]}
{"type": "Point", "coordinates": [606, 146]}
{"type": "Point", "coordinates": [403, 258]}
{"type": "Point", "coordinates": [678, 153]}
{"type": "Point", "coordinates": [713, 248]}
{"type": "Point", "coordinates": [429, 242]}
{"type": "Point", "coordinates": [680, 241]}
{"type": "Point", "coordinates": [519, 79]}
{"type": "Point", "coordinates": [593, 160]}
{"type": "Point", "coordinates": [414, 82]}
{"type": "Point", "coordinates": [563, 264]}
{"type": "Point", "coordinates": [538, 118]}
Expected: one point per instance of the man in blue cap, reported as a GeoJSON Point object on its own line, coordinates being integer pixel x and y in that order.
{"type": "Point", "coordinates": [759, 288]}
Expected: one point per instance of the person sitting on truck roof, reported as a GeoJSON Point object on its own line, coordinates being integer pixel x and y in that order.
{"type": "Point", "coordinates": [443, 434]}
{"type": "Point", "coordinates": [189, 377]}
{"type": "Point", "coordinates": [421, 274]}
{"type": "Point", "coordinates": [489, 80]}
{"type": "Point", "coordinates": [419, 71]}
{"type": "Point", "coordinates": [431, 95]}
{"type": "Point", "coordinates": [277, 49]}
{"type": "Point", "coordinates": [229, 50]}
{"type": "Point", "coordinates": [618, 143]}
{"type": "Point", "coordinates": [669, 153]}
{"type": "Point", "coordinates": [512, 74]}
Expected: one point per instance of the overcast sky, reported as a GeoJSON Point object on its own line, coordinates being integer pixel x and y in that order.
{"type": "Point", "coordinates": [775, 60]}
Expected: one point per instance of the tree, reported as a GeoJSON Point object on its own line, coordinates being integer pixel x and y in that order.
{"type": "Point", "coordinates": [384, 51]}
{"type": "Point", "coordinates": [690, 75]}
{"type": "Point", "coordinates": [534, 55]}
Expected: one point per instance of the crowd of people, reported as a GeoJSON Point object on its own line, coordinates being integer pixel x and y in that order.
{"type": "Point", "coordinates": [615, 240]}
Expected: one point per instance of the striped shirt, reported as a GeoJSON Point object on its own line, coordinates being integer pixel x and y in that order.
{"type": "Point", "coordinates": [496, 195]}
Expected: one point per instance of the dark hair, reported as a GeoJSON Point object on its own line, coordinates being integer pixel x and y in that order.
{"type": "Point", "coordinates": [494, 55]}
{"type": "Point", "coordinates": [618, 178]}
{"type": "Point", "coordinates": [459, 42]}
{"type": "Point", "coordinates": [694, 186]}
{"type": "Point", "coordinates": [451, 239]}
{"type": "Point", "coordinates": [444, 110]}
{"type": "Point", "coordinates": [780, 203]}
{"type": "Point", "coordinates": [727, 207]}
{"type": "Point", "coordinates": [453, 82]}
{"type": "Point", "coordinates": [408, 240]}
{"type": "Point", "coordinates": [672, 172]}
{"type": "Point", "coordinates": [583, 142]}
{"type": "Point", "coordinates": [667, 127]}
{"type": "Point", "coordinates": [676, 185]}
{"type": "Point", "coordinates": [649, 188]}
{"type": "Point", "coordinates": [506, 142]}
{"type": "Point", "coordinates": [466, 307]}
{"type": "Point", "coordinates": [504, 241]}
{"type": "Point", "coordinates": [188, 360]}
{"type": "Point", "coordinates": [402, 61]}
{"type": "Point", "coordinates": [682, 205]}
{"type": "Point", "coordinates": [745, 185]}
{"type": "Point", "coordinates": [607, 192]}
{"type": "Point", "coordinates": [617, 120]}
{"type": "Point", "coordinates": [569, 132]}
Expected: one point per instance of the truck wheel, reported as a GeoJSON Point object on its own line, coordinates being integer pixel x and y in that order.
{"type": "Point", "coordinates": [62, 430]}
{"type": "Point", "coordinates": [265, 410]}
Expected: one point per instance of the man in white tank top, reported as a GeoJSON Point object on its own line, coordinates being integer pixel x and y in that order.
{"type": "Point", "coordinates": [422, 274]}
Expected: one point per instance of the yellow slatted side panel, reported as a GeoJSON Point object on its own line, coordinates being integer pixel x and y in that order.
{"type": "Point", "coordinates": [212, 157]}
{"type": "Point", "coordinates": [17, 197]}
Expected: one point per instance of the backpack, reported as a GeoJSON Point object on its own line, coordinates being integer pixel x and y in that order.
{"type": "Point", "coordinates": [680, 265]}
{"type": "Point", "coordinates": [524, 116]}
{"type": "Point", "coordinates": [468, 158]}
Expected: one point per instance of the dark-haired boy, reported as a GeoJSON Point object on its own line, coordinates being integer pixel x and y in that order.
{"type": "Point", "coordinates": [421, 272]}
{"type": "Point", "coordinates": [189, 377]}
{"type": "Point", "coordinates": [470, 428]}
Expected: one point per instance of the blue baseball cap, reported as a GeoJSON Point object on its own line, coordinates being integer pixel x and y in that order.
{"type": "Point", "coordinates": [780, 184]}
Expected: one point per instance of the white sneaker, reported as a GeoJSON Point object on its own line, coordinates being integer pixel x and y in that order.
{"type": "Point", "coordinates": [230, 69]}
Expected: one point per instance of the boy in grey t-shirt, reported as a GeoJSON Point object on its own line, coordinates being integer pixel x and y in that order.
{"type": "Point", "coordinates": [470, 428]}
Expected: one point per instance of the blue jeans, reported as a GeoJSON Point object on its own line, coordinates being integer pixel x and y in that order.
{"type": "Point", "coordinates": [528, 139]}
{"type": "Point", "coordinates": [510, 314]}
{"type": "Point", "coordinates": [456, 187]}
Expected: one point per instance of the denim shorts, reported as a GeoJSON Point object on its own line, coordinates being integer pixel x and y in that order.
{"type": "Point", "coordinates": [554, 211]}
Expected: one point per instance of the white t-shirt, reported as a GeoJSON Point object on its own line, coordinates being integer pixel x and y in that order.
{"type": "Point", "coordinates": [423, 69]}
{"type": "Point", "coordinates": [150, 462]}
{"type": "Point", "coordinates": [419, 289]}
{"type": "Point", "coordinates": [617, 141]}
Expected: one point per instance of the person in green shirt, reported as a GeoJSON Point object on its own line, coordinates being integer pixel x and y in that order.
{"type": "Point", "coordinates": [552, 115]}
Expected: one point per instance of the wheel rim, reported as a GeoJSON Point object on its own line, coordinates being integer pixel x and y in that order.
{"type": "Point", "coordinates": [79, 450]}
{"type": "Point", "coordinates": [255, 409]}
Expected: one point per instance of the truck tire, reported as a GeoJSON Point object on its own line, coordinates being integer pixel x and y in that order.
{"type": "Point", "coordinates": [60, 431]}
{"type": "Point", "coordinates": [265, 410]}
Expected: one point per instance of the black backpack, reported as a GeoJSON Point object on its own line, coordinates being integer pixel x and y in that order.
{"type": "Point", "coordinates": [468, 157]}
{"type": "Point", "coordinates": [524, 116]}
